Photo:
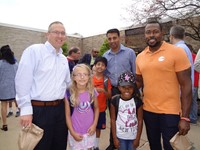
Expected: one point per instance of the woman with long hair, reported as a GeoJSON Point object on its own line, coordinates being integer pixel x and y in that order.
{"type": "Point", "coordinates": [8, 68]}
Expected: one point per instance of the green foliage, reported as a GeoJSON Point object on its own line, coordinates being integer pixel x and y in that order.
{"type": "Point", "coordinates": [104, 47]}
{"type": "Point", "coordinates": [65, 49]}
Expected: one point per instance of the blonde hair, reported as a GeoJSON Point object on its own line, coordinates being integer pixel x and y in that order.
{"type": "Point", "coordinates": [74, 98]}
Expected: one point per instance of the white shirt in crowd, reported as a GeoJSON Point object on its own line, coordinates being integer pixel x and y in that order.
{"type": "Point", "coordinates": [42, 75]}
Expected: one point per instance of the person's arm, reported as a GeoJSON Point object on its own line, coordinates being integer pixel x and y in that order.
{"type": "Point", "coordinates": [107, 89]}
{"type": "Point", "coordinates": [23, 84]}
{"type": "Point", "coordinates": [139, 81]}
{"type": "Point", "coordinates": [184, 78]}
{"type": "Point", "coordinates": [197, 62]}
{"type": "Point", "coordinates": [140, 126]}
{"type": "Point", "coordinates": [92, 129]}
{"type": "Point", "coordinates": [113, 118]}
{"type": "Point", "coordinates": [75, 135]}
{"type": "Point", "coordinates": [109, 93]}
{"type": "Point", "coordinates": [133, 58]}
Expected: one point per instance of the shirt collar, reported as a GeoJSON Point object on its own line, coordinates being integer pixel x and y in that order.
{"type": "Point", "coordinates": [180, 42]}
{"type": "Point", "coordinates": [122, 48]}
{"type": "Point", "coordinates": [162, 48]}
{"type": "Point", "coordinates": [52, 49]}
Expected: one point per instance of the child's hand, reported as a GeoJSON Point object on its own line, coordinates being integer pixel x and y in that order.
{"type": "Point", "coordinates": [77, 137]}
{"type": "Point", "coordinates": [100, 90]}
{"type": "Point", "coordinates": [136, 143]}
{"type": "Point", "coordinates": [91, 130]}
{"type": "Point", "coordinates": [116, 143]}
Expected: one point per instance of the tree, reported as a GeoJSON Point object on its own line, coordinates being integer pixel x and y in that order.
{"type": "Point", "coordinates": [175, 10]}
{"type": "Point", "coordinates": [65, 49]}
{"type": "Point", "coordinates": [104, 47]}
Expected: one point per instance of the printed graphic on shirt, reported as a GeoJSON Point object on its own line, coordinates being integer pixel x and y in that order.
{"type": "Point", "coordinates": [126, 120]}
{"type": "Point", "coordinates": [83, 107]}
{"type": "Point", "coordinates": [161, 58]}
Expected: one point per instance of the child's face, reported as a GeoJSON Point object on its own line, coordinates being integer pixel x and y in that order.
{"type": "Point", "coordinates": [126, 91]}
{"type": "Point", "coordinates": [100, 67]}
{"type": "Point", "coordinates": [81, 76]}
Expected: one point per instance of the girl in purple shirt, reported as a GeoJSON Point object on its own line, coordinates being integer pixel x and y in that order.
{"type": "Point", "coordinates": [81, 109]}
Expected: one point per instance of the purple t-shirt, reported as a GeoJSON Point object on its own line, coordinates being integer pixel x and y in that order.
{"type": "Point", "coordinates": [83, 114]}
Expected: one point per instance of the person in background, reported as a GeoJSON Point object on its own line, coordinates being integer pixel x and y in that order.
{"type": "Point", "coordinates": [93, 70]}
{"type": "Point", "coordinates": [197, 68]}
{"type": "Point", "coordinates": [127, 114]}
{"type": "Point", "coordinates": [82, 110]}
{"type": "Point", "coordinates": [196, 77]}
{"type": "Point", "coordinates": [120, 59]}
{"type": "Point", "coordinates": [164, 72]}
{"type": "Point", "coordinates": [10, 109]}
{"type": "Point", "coordinates": [73, 57]}
{"type": "Point", "coordinates": [41, 81]}
{"type": "Point", "coordinates": [89, 59]}
{"type": "Point", "coordinates": [177, 35]}
{"type": "Point", "coordinates": [8, 69]}
{"type": "Point", "coordinates": [99, 80]}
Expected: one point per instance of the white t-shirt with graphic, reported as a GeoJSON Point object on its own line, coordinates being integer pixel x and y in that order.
{"type": "Point", "coordinates": [126, 123]}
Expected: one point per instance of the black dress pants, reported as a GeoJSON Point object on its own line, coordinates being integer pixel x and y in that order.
{"type": "Point", "coordinates": [52, 120]}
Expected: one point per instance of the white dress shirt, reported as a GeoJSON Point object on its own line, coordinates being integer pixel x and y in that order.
{"type": "Point", "coordinates": [42, 75]}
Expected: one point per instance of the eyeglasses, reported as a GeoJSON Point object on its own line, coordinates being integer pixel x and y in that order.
{"type": "Point", "coordinates": [96, 52]}
{"type": "Point", "coordinates": [58, 33]}
{"type": "Point", "coordinates": [80, 75]}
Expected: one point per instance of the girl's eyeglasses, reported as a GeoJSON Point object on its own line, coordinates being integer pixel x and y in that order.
{"type": "Point", "coordinates": [80, 75]}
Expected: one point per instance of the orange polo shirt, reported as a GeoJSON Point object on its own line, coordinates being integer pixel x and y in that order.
{"type": "Point", "coordinates": [158, 69]}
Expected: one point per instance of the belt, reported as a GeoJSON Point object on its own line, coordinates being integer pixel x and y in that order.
{"type": "Point", "coordinates": [46, 103]}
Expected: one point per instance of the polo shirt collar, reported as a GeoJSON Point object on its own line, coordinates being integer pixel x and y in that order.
{"type": "Point", "coordinates": [162, 48]}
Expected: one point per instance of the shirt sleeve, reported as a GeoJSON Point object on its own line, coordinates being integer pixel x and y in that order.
{"type": "Point", "coordinates": [138, 102]}
{"type": "Point", "coordinates": [109, 84]}
{"type": "Point", "coordinates": [137, 67]}
{"type": "Point", "coordinates": [23, 82]}
{"type": "Point", "coordinates": [197, 62]}
{"type": "Point", "coordinates": [181, 60]}
{"type": "Point", "coordinates": [133, 58]}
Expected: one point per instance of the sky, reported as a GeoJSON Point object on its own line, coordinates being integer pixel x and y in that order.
{"type": "Point", "coordinates": [86, 17]}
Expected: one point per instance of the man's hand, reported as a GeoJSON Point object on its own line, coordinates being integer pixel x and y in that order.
{"type": "Point", "coordinates": [184, 127]}
{"type": "Point", "coordinates": [26, 120]}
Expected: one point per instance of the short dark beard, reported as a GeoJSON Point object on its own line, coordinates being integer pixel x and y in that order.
{"type": "Point", "coordinates": [155, 45]}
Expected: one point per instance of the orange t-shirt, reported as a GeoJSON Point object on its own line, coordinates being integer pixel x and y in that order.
{"type": "Point", "coordinates": [161, 86]}
{"type": "Point", "coordinates": [99, 83]}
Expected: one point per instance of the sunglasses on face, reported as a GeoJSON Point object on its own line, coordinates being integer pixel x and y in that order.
{"type": "Point", "coordinates": [96, 52]}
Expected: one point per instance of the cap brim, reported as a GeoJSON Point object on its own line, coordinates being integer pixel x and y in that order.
{"type": "Point", "coordinates": [125, 84]}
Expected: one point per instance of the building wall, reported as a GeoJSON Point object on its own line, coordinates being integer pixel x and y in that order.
{"type": "Point", "coordinates": [96, 41]}
{"type": "Point", "coordinates": [73, 41]}
{"type": "Point", "coordinates": [20, 38]}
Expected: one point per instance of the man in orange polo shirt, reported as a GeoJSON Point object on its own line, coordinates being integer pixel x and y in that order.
{"type": "Point", "coordinates": [163, 69]}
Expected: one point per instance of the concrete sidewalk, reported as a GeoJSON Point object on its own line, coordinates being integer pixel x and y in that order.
{"type": "Point", "coordinates": [8, 139]}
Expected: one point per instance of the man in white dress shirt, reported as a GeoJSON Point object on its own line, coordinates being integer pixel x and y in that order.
{"type": "Point", "coordinates": [41, 81]}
